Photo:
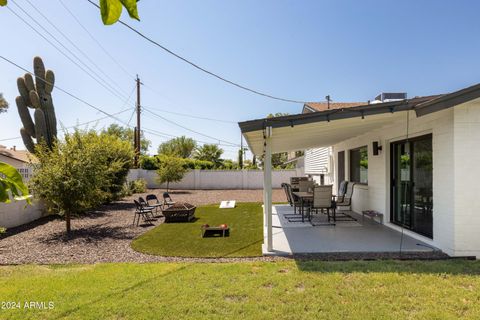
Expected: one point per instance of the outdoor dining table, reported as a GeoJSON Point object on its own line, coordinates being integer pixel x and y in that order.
{"type": "Point", "coordinates": [306, 197]}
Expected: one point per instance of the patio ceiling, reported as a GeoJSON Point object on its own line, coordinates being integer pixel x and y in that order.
{"type": "Point", "coordinates": [326, 128]}
{"type": "Point", "coordinates": [319, 134]}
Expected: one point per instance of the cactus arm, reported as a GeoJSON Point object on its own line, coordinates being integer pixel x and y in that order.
{"type": "Point", "coordinates": [29, 82]}
{"type": "Point", "coordinates": [24, 92]}
{"type": "Point", "coordinates": [27, 140]}
{"type": "Point", "coordinates": [50, 118]}
{"type": "Point", "coordinates": [35, 100]}
{"type": "Point", "coordinates": [39, 70]}
{"type": "Point", "coordinates": [50, 81]}
{"type": "Point", "coordinates": [25, 116]}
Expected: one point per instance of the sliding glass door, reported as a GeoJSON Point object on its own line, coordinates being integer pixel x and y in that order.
{"type": "Point", "coordinates": [411, 188]}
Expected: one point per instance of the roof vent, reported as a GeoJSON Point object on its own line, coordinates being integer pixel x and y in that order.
{"type": "Point", "coordinates": [390, 96]}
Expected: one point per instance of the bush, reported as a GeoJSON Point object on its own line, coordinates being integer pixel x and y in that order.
{"type": "Point", "coordinates": [138, 186]}
{"type": "Point", "coordinates": [148, 163]}
{"type": "Point", "coordinates": [81, 172]}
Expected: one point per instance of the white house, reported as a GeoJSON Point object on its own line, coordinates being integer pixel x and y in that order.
{"type": "Point", "coordinates": [415, 160]}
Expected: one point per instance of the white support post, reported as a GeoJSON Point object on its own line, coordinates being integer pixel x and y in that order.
{"type": "Point", "coordinates": [267, 187]}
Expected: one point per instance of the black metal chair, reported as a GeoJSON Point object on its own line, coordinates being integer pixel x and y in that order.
{"type": "Point", "coordinates": [146, 206]}
{"type": "Point", "coordinates": [152, 201]}
{"type": "Point", "coordinates": [346, 201]}
{"type": "Point", "coordinates": [141, 211]}
{"type": "Point", "coordinates": [167, 200]}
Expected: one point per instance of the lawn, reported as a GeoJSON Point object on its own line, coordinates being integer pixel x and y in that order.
{"type": "Point", "coordinates": [184, 239]}
{"type": "Point", "coordinates": [253, 290]}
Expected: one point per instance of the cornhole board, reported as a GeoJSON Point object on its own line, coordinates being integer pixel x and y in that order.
{"type": "Point", "coordinates": [230, 204]}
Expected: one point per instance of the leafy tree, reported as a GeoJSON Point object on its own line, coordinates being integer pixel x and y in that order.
{"type": "Point", "coordinates": [111, 10]}
{"type": "Point", "coordinates": [170, 169]}
{"type": "Point", "coordinates": [127, 134]}
{"type": "Point", "coordinates": [209, 152]}
{"type": "Point", "coordinates": [240, 158]}
{"type": "Point", "coordinates": [80, 172]}
{"type": "Point", "coordinates": [181, 147]}
{"type": "Point", "coordinates": [3, 104]}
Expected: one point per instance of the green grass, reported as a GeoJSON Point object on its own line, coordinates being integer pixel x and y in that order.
{"type": "Point", "coordinates": [249, 290]}
{"type": "Point", "coordinates": [184, 239]}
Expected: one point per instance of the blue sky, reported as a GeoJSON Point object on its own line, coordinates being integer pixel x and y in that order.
{"type": "Point", "coordinates": [302, 50]}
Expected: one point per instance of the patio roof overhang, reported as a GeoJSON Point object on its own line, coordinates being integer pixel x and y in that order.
{"type": "Point", "coordinates": [329, 127]}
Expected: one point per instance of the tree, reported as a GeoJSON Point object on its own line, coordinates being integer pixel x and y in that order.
{"type": "Point", "coordinates": [170, 169]}
{"type": "Point", "coordinates": [240, 158]}
{"type": "Point", "coordinates": [127, 134]}
{"type": "Point", "coordinates": [3, 104]}
{"type": "Point", "coordinates": [181, 147]}
{"type": "Point", "coordinates": [111, 10]}
{"type": "Point", "coordinates": [80, 172]}
{"type": "Point", "coordinates": [209, 152]}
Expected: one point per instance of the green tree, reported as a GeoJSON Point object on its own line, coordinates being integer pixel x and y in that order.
{"type": "Point", "coordinates": [3, 104]}
{"type": "Point", "coordinates": [209, 152]}
{"type": "Point", "coordinates": [127, 134]}
{"type": "Point", "coordinates": [240, 158]}
{"type": "Point", "coordinates": [181, 147]}
{"type": "Point", "coordinates": [80, 172]}
{"type": "Point", "coordinates": [170, 169]}
{"type": "Point", "coordinates": [111, 10]}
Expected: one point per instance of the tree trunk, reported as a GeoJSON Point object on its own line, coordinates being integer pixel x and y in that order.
{"type": "Point", "coordinates": [67, 220]}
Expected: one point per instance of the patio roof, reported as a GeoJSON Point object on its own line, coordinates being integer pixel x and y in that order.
{"type": "Point", "coordinates": [326, 128]}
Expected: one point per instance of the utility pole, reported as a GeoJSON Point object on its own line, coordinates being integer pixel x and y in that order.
{"type": "Point", "coordinates": [137, 129]}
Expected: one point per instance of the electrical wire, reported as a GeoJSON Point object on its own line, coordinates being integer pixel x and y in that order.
{"type": "Point", "coordinates": [188, 129]}
{"type": "Point", "coordinates": [86, 56]}
{"type": "Point", "coordinates": [190, 116]}
{"type": "Point", "coordinates": [215, 75]}
{"type": "Point", "coordinates": [152, 131]}
{"type": "Point", "coordinates": [58, 49]}
{"type": "Point", "coordinates": [119, 65]}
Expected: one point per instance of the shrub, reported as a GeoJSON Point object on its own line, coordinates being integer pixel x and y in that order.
{"type": "Point", "coordinates": [81, 172]}
{"type": "Point", "coordinates": [138, 186]}
{"type": "Point", "coordinates": [148, 163]}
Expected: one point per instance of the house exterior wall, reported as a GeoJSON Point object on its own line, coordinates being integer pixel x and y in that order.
{"type": "Point", "coordinates": [376, 195]}
{"type": "Point", "coordinates": [11, 161]}
{"type": "Point", "coordinates": [317, 162]}
{"type": "Point", "coordinates": [467, 174]}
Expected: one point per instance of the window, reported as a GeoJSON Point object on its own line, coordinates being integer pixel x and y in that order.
{"type": "Point", "coordinates": [359, 165]}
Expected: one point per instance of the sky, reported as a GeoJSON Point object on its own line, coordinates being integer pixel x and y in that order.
{"type": "Point", "coordinates": [301, 50]}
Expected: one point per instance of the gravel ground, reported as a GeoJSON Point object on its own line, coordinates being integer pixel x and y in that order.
{"type": "Point", "coordinates": [104, 235]}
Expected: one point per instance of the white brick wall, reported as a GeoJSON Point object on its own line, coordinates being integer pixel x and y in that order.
{"type": "Point", "coordinates": [376, 195]}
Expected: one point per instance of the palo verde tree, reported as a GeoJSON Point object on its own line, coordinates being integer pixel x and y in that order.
{"type": "Point", "coordinates": [3, 104]}
{"type": "Point", "coordinates": [170, 169]}
{"type": "Point", "coordinates": [127, 134]}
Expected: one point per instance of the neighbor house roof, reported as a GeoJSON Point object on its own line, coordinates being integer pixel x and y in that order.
{"type": "Point", "coordinates": [20, 155]}
{"type": "Point", "coordinates": [322, 106]}
{"type": "Point", "coordinates": [306, 130]}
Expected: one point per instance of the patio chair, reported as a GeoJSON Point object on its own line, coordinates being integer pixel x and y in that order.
{"type": "Point", "coordinates": [346, 201]}
{"type": "Point", "coordinates": [153, 201]}
{"type": "Point", "coordinates": [167, 200]}
{"type": "Point", "coordinates": [305, 185]}
{"type": "Point", "coordinates": [285, 187]}
{"type": "Point", "coordinates": [141, 211]}
{"type": "Point", "coordinates": [342, 189]}
{"type": "Point", "coordinates": [322, 199]}
{"type": "Point", "coordinates": [146, 206]}
{"type": "Point", "coordinates": [295, 180]}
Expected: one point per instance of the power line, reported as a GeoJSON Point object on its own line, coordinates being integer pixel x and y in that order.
{"type": "Point", "coordinates": [78, 124]}
{"type": "Point", "coordinates": [191, 116]}
{"type": "Point", "coordinates": [154, 132]}
{"type": "Point", "coordinates": [58, 49]}
{"type": "Point", "coordinates": [95, 40]}
{"type": "Point", "coordinates": [186, 128]}
{"type": "Point", "coordinates": [201, 68]}
{"type": "Point", "coordinates": [73, 44]}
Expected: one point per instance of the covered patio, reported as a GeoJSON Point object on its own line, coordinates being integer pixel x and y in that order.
{"type": "Point", "coordinates": [361, 236]}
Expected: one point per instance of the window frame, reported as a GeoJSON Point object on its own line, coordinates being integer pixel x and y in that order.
{"type": "Point", "coordinates": [350, 164]}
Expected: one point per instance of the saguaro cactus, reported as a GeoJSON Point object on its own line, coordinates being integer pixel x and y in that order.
{"type": "Point", "coordinates": [37, 94]}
